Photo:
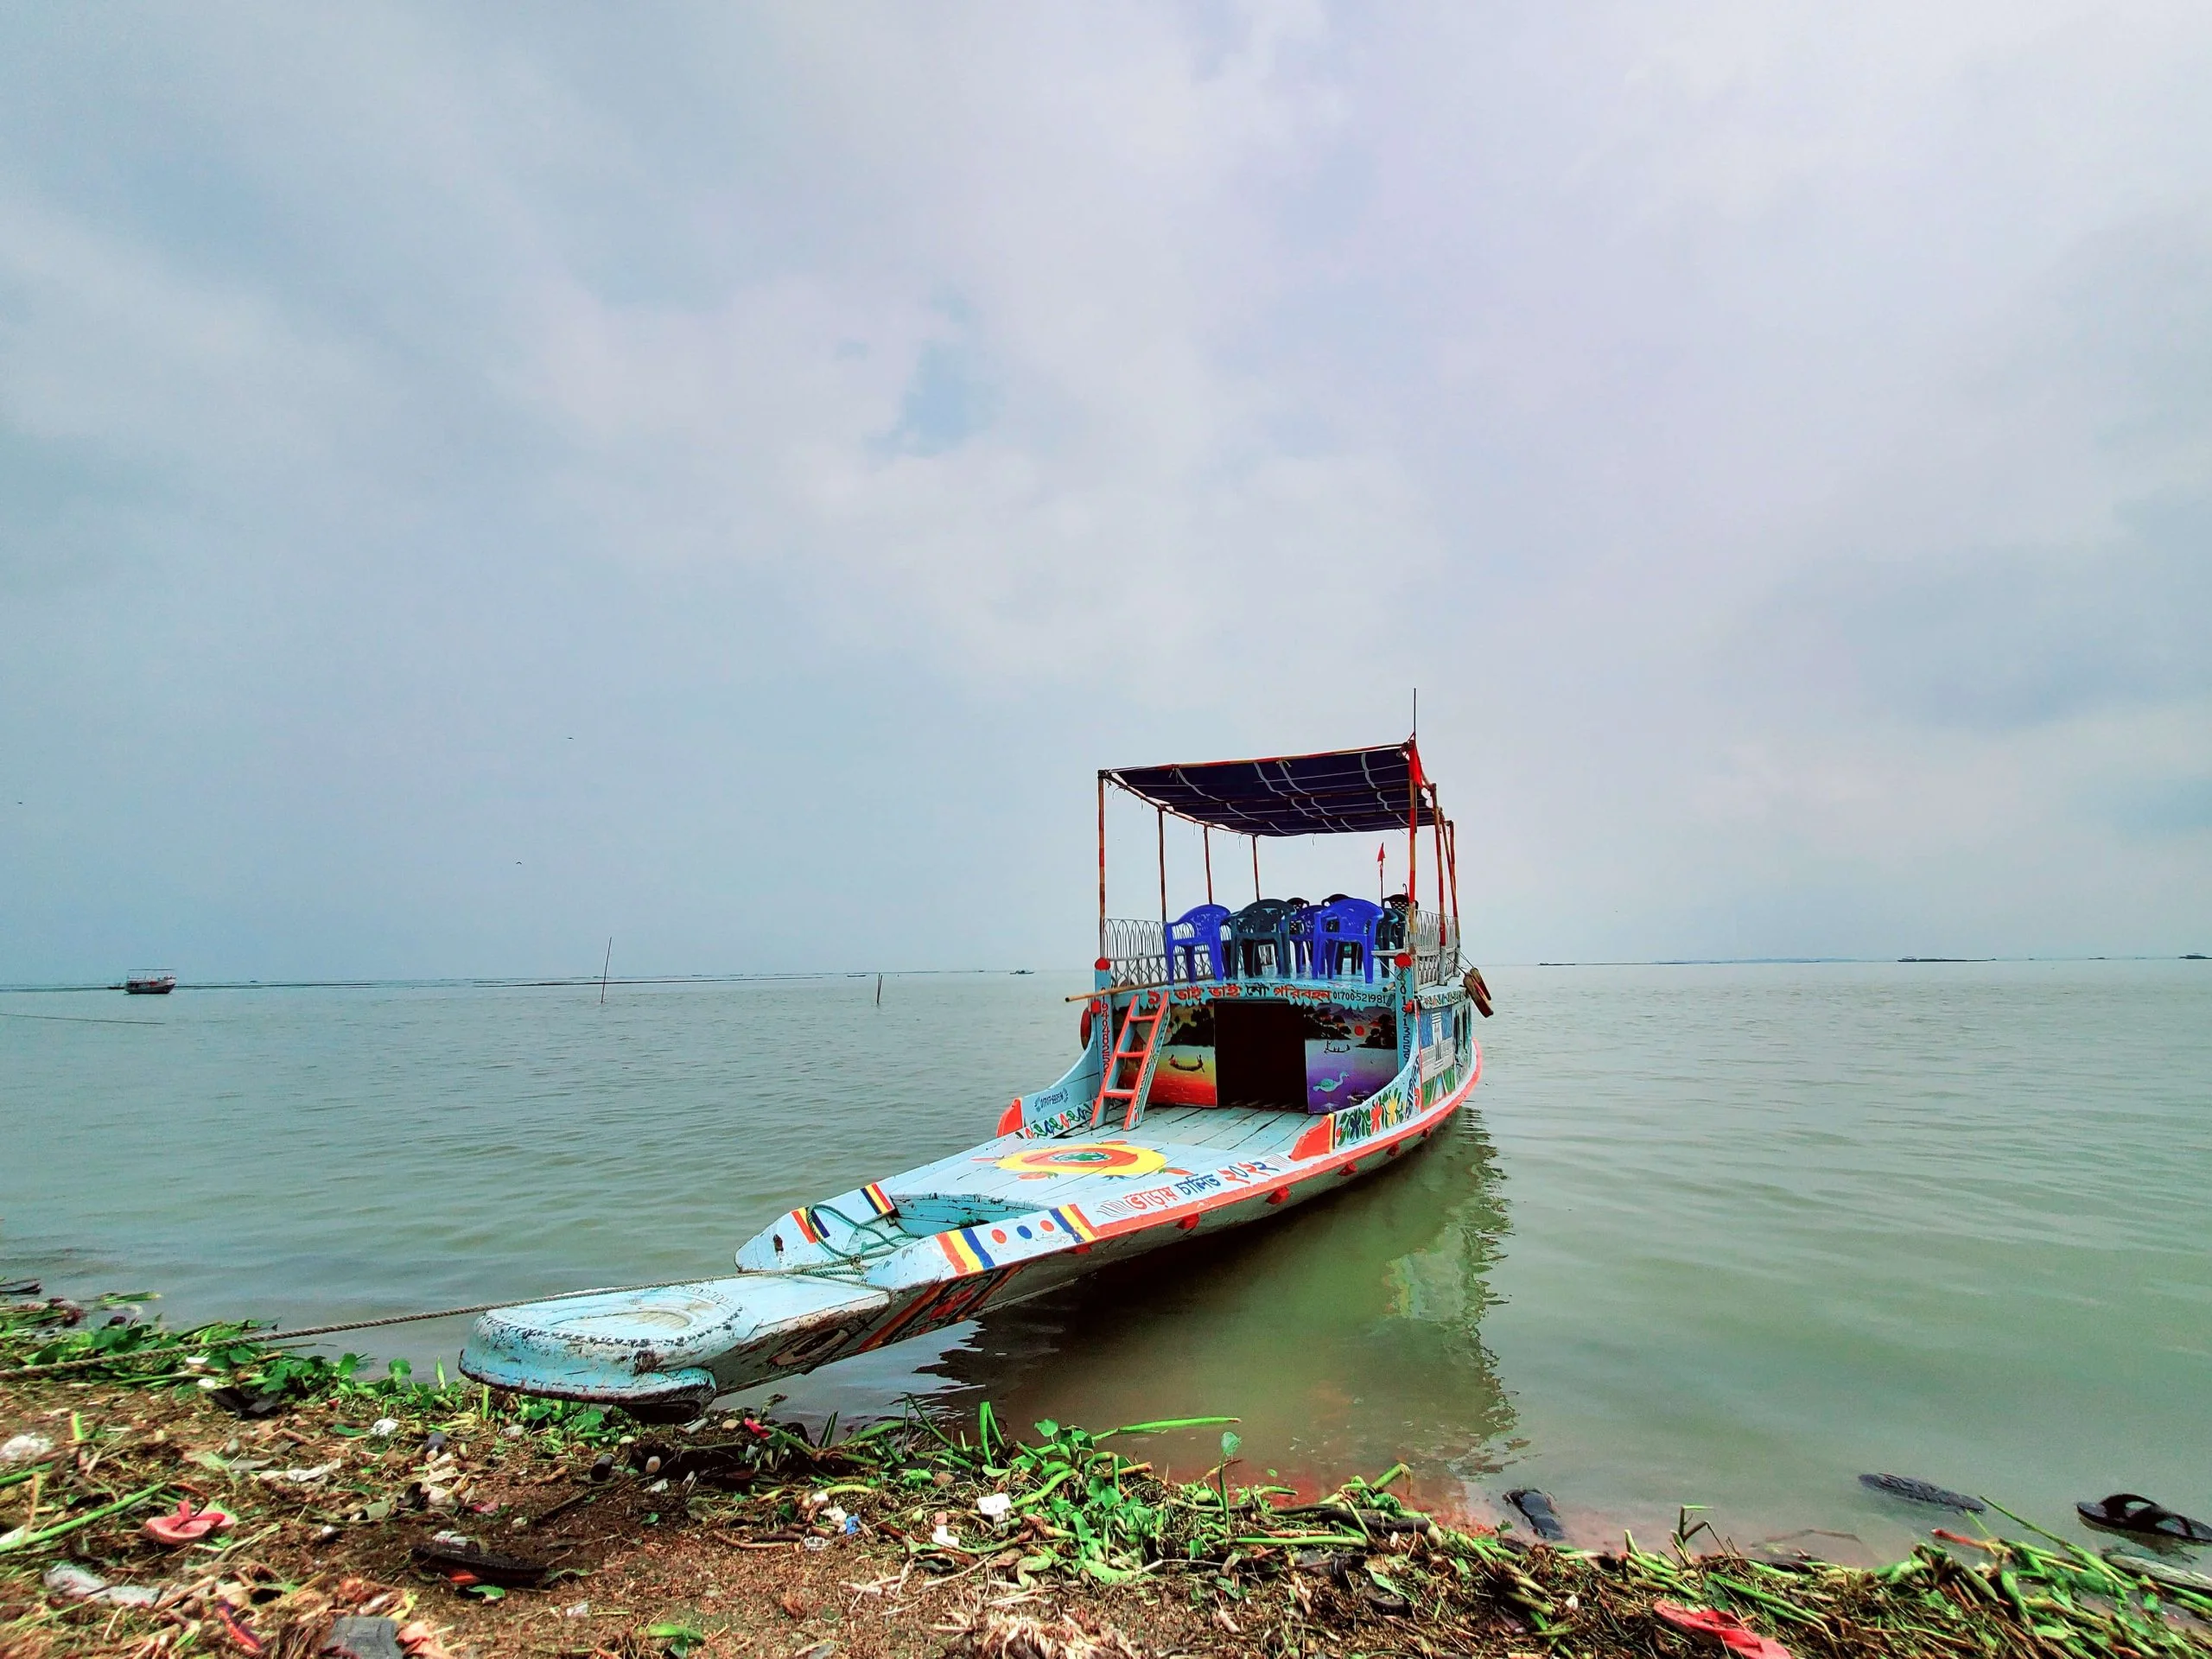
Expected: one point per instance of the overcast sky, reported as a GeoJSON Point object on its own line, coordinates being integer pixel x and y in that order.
{"type": "Point", "coordinates": [473, 482]}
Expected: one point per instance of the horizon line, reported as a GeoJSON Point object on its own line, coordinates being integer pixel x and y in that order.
{"type": "Point", "coordinates": [550, 982]}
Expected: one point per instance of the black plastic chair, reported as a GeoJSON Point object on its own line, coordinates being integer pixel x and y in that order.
{"type": "Point", "coordinates": [1393, 928]}
{"type": "Point", "coordinates": [1301, 930]}
{"type": "Point", "coordinates": [1263, 926]}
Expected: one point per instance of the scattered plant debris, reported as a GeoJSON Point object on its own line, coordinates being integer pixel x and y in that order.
{"type": "Point", "coordinates": [368, 1516]}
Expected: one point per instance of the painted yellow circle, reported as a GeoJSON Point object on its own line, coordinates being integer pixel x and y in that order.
{"type": "Point", "coordinates": [1086, 1158]}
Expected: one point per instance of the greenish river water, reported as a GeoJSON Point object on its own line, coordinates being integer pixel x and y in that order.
{"type": "Point", "coordinates": [1723, 1236]}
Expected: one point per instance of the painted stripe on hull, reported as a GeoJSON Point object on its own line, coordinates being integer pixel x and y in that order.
{"type": "Point", "coordinates": [1075, 1221]}
{"type": "Point", "coordinates": [1302, 1172]}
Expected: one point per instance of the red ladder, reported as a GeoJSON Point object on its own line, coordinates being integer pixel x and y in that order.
{"type": "Point", "coordinates": [1128, 1076]}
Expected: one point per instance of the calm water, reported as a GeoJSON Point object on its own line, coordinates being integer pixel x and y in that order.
{"type": "Point", "coordinates": [1717, 1236]}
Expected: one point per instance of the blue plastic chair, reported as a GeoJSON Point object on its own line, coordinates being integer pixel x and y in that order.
{"type": "Point", "coordinates": [1203, 928]}
{"type": "Point", "coordinates": [1261, 925]}
{"type": "Point", "coordinates": [1344, 937]}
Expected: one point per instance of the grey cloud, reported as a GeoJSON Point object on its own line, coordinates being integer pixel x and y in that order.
{"type": "Point", "coordinates": [2181, 807]}
{"type": "Point", "coordinates": [1999, 639]}
{"type": "Point", "coordinates": [1776, 445]}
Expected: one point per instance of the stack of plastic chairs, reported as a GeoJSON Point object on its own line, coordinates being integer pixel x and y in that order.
{"type": "Point", "coordinates": [1344, 937]}
{"type": "Point", "coordinates": [1261, 932]}
{"type": "Point", "coordinates": [1396, 926]}
{"type": "Point", "coordinates": [1204, 928]}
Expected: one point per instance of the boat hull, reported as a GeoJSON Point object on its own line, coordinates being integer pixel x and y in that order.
{"type": "Point", "coordinates": [672, 1350]}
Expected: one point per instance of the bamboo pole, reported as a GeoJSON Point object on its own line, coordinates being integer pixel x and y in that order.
{"type": "Point", "coordinates": [1451, 857]}
{"type": "Point", "coordinates": [1412, 828]}
{"type": "Point", "coordinates": [1163, 878]}
{"type": "Point", "coordinates": [1436, 818]}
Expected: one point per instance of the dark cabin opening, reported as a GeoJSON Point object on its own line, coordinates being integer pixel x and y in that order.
{"type": "Point", "coordinates": [1259, 1055]}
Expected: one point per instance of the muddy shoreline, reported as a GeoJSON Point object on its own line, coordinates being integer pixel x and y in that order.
{"type": "Point", "coordinates": [480, 1524]}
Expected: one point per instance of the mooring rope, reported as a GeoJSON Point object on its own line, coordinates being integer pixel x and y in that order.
{"type": "Point", "coordinates": [270, 1340]}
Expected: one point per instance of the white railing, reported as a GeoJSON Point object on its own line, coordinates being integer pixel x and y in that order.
{"type": "Point", "coordinates": [1436, 949]}
{"type": "Point", "coordinates": [1136, 951]}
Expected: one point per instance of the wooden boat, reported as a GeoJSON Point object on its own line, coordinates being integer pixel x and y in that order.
{"type": "Point", "coordinates": [1230, 1069]}
{"type": "Point", "coordinates": [149, 981]}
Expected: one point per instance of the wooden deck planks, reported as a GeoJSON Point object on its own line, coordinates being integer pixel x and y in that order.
{"type": "Point", "coordinates": [1190, 1137]}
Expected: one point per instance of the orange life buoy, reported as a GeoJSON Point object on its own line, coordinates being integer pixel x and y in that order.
{"type": "Point", "coordinates": [1086, 1025]}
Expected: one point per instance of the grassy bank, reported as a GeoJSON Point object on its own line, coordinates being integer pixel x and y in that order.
{"type": "Point", "coordinates": [589, 1533]}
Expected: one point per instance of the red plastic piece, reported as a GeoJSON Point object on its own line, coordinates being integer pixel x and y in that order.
{"type": "Point", "coordinates": [1010, 1119]}
{"type": "Point", "coordinates": [1730, 1631]}
{"type": "Point", "coordinates": [187, 1526]}
{"type": "Point", "coordinates": [235, 1628]}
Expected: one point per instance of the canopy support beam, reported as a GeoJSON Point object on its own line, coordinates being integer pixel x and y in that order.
{"type": "Point", "coordinates": [1163, 878]}
{"type": "Point", "coordinates": [1102, 867]}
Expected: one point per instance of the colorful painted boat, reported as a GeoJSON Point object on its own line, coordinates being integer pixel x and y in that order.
{"type": "Point", "coordinates": [1218, 1086]}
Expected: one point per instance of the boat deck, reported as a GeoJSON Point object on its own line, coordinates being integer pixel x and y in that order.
{"type": "Point", "coordinates": [1175, 1143]}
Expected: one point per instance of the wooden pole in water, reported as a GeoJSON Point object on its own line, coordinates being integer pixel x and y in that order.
{"type": "Point", "coordinates": [878, 990]}
{"type": "Point", "coordinates": [603, 967]}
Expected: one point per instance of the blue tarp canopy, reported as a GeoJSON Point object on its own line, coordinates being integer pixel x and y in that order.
{"type": "Point", "coordinates": [1344, 792]}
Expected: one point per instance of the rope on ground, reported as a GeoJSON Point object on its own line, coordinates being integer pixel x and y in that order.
{"type": "Point", "coordinates": [270, 1339]}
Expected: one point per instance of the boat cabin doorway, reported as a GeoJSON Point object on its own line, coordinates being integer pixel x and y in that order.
{"type": "Point", "coordinates": [1259, 1055]}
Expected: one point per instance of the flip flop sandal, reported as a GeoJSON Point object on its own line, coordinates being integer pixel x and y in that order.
{"type": "Point", "coordinates": [1536, 1507]}
{"type": "Point", "coordinates": [471, 1563]}
{"type": "Point", "coordinates": [2132, 1512]}
{"type": "Point", "coordinates": [187, 1526]}
{"type": "Point", "coordinates": [1730, 1631]}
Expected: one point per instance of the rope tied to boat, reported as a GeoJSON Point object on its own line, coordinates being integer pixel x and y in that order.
{"type": "Point", "coordinates": [272, 1338]}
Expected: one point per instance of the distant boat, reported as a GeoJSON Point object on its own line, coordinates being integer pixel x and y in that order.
{"type": "Point", "coordinates": [1233, 1065]}
{"type": "Point", "coordinates": [150, 982]}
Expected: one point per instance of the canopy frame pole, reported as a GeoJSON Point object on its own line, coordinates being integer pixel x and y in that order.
{"type": "Point", "coordinates": [1413, 830]}
{"type": "Point", "coordinates": [1255, 869]}
{"type": "Point", "coordinates": [1436, 818]}
{"type": "Point", "coordinates": [1163, 876]}
{"type": "Point", "coordinates": [1451, 857]}
{"type": "Point", "coordinates": [1102, 867]}
{"type": "Point", "coordinates": [1205, 844]}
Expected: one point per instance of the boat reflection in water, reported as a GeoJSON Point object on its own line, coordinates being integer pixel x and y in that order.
{"type": "Point", "coordinates": [1345, 1338]}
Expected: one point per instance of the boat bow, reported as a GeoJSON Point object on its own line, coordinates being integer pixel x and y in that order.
{"type": "Point", "coordinates": [672, 1347]}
